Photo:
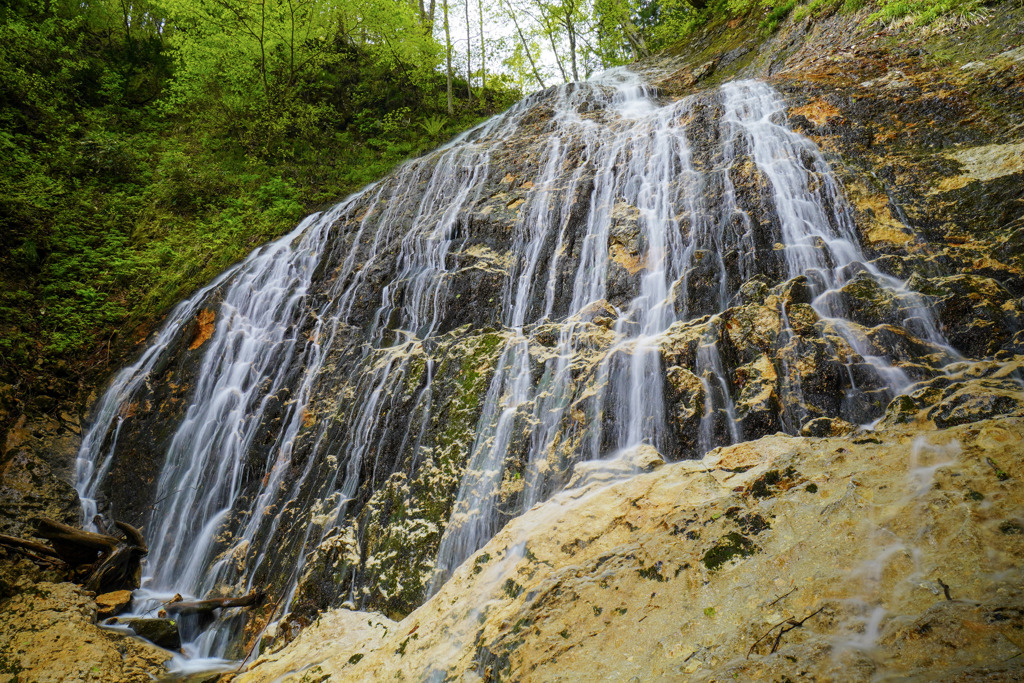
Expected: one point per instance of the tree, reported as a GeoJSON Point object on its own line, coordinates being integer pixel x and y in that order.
{"type": "Point", "coordinates": [483, 45]}
{"type": "Point", "coordinates": [249, 61]}
{"type": "Point", "coordinates": [524, 44]}
{"type": "Point", "coordinates": [448, 56]}
{"type": "Point", "coordinates": [469, 56]}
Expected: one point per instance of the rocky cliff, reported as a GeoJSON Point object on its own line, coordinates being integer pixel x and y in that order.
{"type": "Point", "coordinates": [648, 268]}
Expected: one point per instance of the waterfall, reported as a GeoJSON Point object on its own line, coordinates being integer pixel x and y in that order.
{"type": "Point", "coordinates": [328, 377]}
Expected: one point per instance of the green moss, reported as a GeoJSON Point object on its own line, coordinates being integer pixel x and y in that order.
{"type": "Point", "coordinates": [709, 612]}
{"type": "Point", "coordinates": [1001, 474]}
{"type": "Point", "coordinates": [974, 495]}
{"type": "Point", "coordinates": [597, 610]}
{"type": "Point", "coordinates": [480, 560]}
{"type": "Point", "coordinates": [730, 546]}
{"type": "Point", "coordinates": [763, 485]}
{"type": "Point", "coordinates": [776, 15]}
{"type": "Point", "coordinates": [1011, 528]}
{"type": "Point", "coordinates": [812, 488]}
{"type": "Point", "coordinates": [652, 573]}
{"type": "Point", "coordinates": [524, 622]}
{"type": "Point", "coordinates": [511, 589]}
{"type": "Point", "coordinates": [401, 647]}
{"type": "Point", "coordinates": [354, 659]}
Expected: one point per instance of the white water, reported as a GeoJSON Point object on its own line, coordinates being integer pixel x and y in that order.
{"type": "Point", "coordinates": [616, 180]}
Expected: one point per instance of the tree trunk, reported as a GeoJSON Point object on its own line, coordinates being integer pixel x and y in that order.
{"type": "Point", "coordinates": [483, 47]}
{"type": "Point", "coordinates": [571, 30]}
{"type": "Point", "coordinates": [558, 60]}
{"type": "Point", "coordinates": [526, 45]}
{"type": "Point", "coordinates": [100, 562]}
{"type": "Point", "coordinates": [448, 55]}
{"type": "Point", "coordinates": [469, 54]}
{"type": "Point", "coordinates": [30, 548]}
{"type": "Point", "coordinates": [254, 599]}
{"type": "Point", "coordinates": [74, 546]}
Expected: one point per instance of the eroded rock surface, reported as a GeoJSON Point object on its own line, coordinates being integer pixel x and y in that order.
{"type": "Point", "coordinates": [893, 555]}
{"type": "Point", "coordinates": [48, 635]}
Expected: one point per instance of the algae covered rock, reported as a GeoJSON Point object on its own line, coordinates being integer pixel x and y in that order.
{"type": "Point", "coordinates": [160, 632]}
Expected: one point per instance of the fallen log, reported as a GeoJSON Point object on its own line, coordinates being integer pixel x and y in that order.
{"type": "Point", "coordinates": [133, 535]}
{"type": "Point", "coordinates": [184, 607]}
{"type": "Point", "coordinates": [30, 548]}
{"type": "Point", "coordinates": [100, 562]}
{"type": "Point", "coordinates": [74, 546]}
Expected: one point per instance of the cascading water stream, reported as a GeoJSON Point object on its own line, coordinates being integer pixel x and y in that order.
{"type": "Point", "coordinates": [631, 225]}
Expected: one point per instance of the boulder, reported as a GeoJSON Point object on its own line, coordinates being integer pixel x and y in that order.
{"type": "Point", "coordinates": [160, 632]}
{"type": "Point", "coordinates": [113, 603]}
{"type": "Point", "coordinates": [642, 458]}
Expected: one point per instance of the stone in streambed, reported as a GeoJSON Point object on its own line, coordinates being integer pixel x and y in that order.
{"type": "Point", "coordinates": [113, 603]}
{"type": "Point", "coordinates": [161, 632]}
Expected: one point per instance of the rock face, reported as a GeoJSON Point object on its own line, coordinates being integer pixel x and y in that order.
{"type": "Point", "coordinates": [36, 473]}
{"type": "Point", "coordinates": [48, 635]}
{"type": "Point", "coordinates": [893, 555]}
{"type": "Point", "coordinates": [609, 276]}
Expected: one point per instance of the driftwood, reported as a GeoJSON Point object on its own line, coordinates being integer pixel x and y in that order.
{"type": "Point", "coordinates": [100, 562]}
{"type": "Point", "coordinates": [74, 546]}
{"type": "Point", "coordinates": [254, 599]}
{"type": "Point", "coordinates": [37, 551]}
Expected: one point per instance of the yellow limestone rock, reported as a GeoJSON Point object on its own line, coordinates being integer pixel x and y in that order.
{"type": "Point", "coordinates": [337, 639]}
{"type": "Point", "coordinates": [112, 604]}
{"type": "Point", "coordinates": [891, 555]}
{"type": "Point", "coordinates": [48, 635]}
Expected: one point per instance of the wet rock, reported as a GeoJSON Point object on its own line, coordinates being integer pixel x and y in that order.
{"type": "Point", "coordinates": [977, 314]}
{"type": "Point", "coordinates": [977, 400]}
{"type": "Point", "coordinates": [851, 522]}
{"type": "Point", "coordinates": [112, 604]}
{"type": "Point", "coordinates": [642, 458]}
{"type": "Point", "coordinates": [758, 406]}
{"type": "Point", "coordinates": [976, 392]}
{"type": "Point", "coordinates": [599, 313]}
{"type": "Point", "coordinates": [826, 426]}
{"type": "Point", "coordinates": [48, 635]}
{"type": "Point", "coordinates": [336, 639]}
{"type": "Point", "coordinates": [160, 632]}
{"type": "Point", "coordinates": [685, 404]}
{"type": "Point", "coordinates": [865, 301]}
{"type": "Point", "coordinates": [36, 471]}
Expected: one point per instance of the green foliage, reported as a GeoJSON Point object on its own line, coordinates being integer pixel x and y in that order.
{"type": "Point", "coordinates": [433, 126]}
{"type": "Point", "coordinates": [776, 14]}
{"type": "Point", "coordinates": [146, 152]}
{"type": "Point", "coordinates": [925, 12]}
{"type": "Point", "coordinates": [664, 22]}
